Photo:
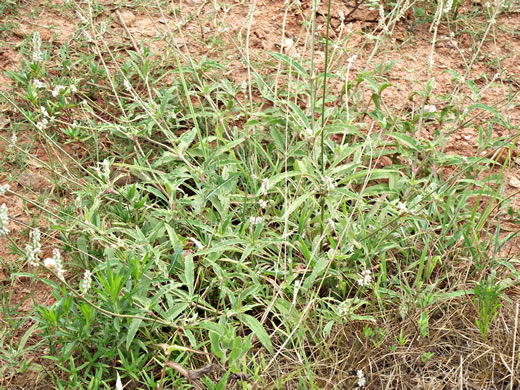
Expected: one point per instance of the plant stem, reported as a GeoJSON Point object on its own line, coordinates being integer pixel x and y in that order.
{"type": "Point", "coordinates": [322, 130]}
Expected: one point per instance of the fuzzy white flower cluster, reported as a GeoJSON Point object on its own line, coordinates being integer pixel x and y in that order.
{"type": "Point", "coordinates": [86, 282]}
{"type": "Point", "coordinates": [38, 84]}
{"type": "Point", "coordinates": [33, 251]}
{"type": "Point", "coordinates": [37, 54]}
{"type": "Point", "coordinates": [361, 378]}
{"type": "Point", "coordinates": [243, 86]}
{"type": "Point", "coordinates": [4, 221]}
{"type": "Point", "coordinates": [402, 207]}
{"type": "Point", "coordinates": [106, 170]}
{"type": "Point", "coordinates": [448, 6]}
{"type": "Point", "coordinates": [102, 28]}
{"type": "Point", "coordinates": [255, 220]}
{"type": "Point", "coordinates": [44, 111]}
{"type": "Point", "coordinates": [57, 90]}
{"type": "Point", "coordinates": [307, 133]}
{"type": "Point", "coordinates": [41, 125]}
{"type": "Point", "coordinates": [366, 278]}
{"type": "Point", "coordinates": [12, 141]}
{"type": "Point", "coordinates": [4, 188]}
{"type": "Point", "coordinates": [344, 309]}
{"type": "Point", "coordinates": [329, 183]}
{"type": "Point", "coordinates": [264, 188]}
{"type": "Point", "coordinates": [56, 263]}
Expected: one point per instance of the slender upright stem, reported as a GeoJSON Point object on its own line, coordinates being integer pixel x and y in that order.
{"type": "Point", "coordinates": [322, 130]}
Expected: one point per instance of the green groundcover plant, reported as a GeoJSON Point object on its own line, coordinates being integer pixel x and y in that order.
{"type": "Point", "coordinates": [218, 230]}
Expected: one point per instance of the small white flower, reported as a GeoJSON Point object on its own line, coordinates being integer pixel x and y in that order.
{"type": "Point", "coordinates": [262, 203]}
{"type": "Point", "coordinates": [448, 6]}
{"type": "Point", "coordinates": [264, 187]}
{"type": "Point", "coordinates": [57, 90]}
{"type": "Point", "coordinates": [105, 170]}
{"type": "Point", "coordinates": [37, 55]}
{"type": "Point", "coordinates": [255, 220]}
{"type": "Point", "coordinates": [352, 59]}
{"type": "Point", "coordinates": [38, 84]}
{"type": "Point", "coordinates": [307, 132]}
{"type": "Point", "coordinates": [343, 309]}
{"type": "Point", "coordinates": [402, 207]}
{"type": "Point", "coordinates": [341, 16]}
{"type": "Point", "coordinates": [41, 125]}
{"type": "Point", "coordinates": [366, 278]}
{"type": "Point", "coordinates": [4, 188]}
{"type": "Point", "coordinates": [86, 282]}
{"type": "Point", "coordinates": [33, 251]}
{"type": "Point", "coordinates": [329, 183]}
{"type": "Point", "coordinates": [32, 257]}
{"type": "Point", "coordinates": [73, 88]}
{"type": "Point", "coordinates": [430, 108]}
{"type": "Point", "coordinates": [44, 112]}
{"type": "Point", "coordinates": [12, 141]}
{"type": "Point", "coordinates": [4, 221]}
{"type": "Point", "coordinates": [361, 378]}
{"type": "Point", "coordinates": [127, 85]}
{"type": "Point", "coordinates": [102, 28]}
{"type": "Point", "coordinates": [36, 235]}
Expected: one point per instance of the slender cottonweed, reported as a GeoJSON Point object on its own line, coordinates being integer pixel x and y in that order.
{"type": "Point", "coordinates": [37, 55]}
{"type": "Point", "coordinates": [4, 220]}
{"type": "Point", "coordinates": [356, 227]}
{"type": "Point", "coordinates": [86, 282]}
{"type": "Point", "coordinates": [3, 189]}
{"type": "Point", "coordinates": [33, 250]}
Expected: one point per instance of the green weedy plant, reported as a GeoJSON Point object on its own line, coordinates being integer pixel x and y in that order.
{"type": "Point", "coordinates": [14, 352]}
{"type": "Point", "coordinates": [488, 294]}
{"type": "Point", "coordinates": [229, 347]}
{"type": "Point", "coordinates": [238, 225]}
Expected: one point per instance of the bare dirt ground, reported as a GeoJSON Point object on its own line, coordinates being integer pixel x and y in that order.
{"type": "Point", "coordinates": [220, 33]}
